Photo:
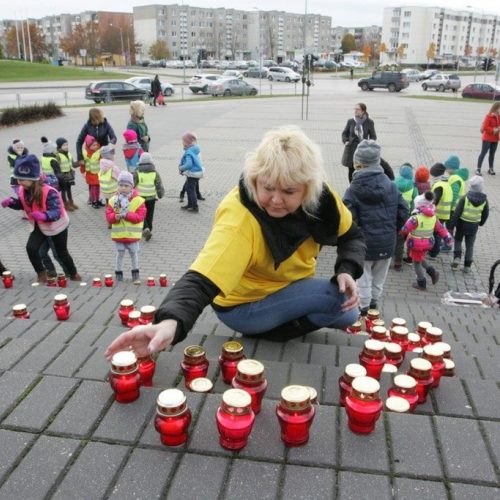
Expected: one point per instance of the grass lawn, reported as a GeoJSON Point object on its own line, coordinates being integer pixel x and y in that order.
{"type": "Point", "coordinates": [20, 71]}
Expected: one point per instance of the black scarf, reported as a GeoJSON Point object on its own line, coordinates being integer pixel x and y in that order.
{"type": "Point", "coordinates": [284, 235]}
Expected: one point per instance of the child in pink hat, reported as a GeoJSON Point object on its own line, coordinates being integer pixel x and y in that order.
{"type": "Point", "coordinates": [132, 150]}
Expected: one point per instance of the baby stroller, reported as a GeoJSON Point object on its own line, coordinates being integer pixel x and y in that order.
{"type": "Point", "coordinates": [495, 294]}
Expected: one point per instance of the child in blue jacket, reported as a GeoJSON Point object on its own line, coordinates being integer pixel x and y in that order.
{"type": "Point", "coordinates": [190, 166]}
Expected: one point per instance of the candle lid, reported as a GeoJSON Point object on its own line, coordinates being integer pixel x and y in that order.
{"type": "Point", "coordinates": [434, 331]}
{"type": "Point", "coordinates": [388, 368]}
{"type": "Point", "coordinates": [6, 274]}
{"type": "Point", "coordinates": [420, 364]}
{"type": "Point", "coordinates": [295, 394]}
{"type": "Point", "coordinates": [107, 276]}
{"type": "Point", "coordinates": [433, 350]}
{"type": "Point", "coordinates": [424, 325]}
{"type": "Point", "coordinates": [400, 330]}
{"type": "Point", "coordinates": [148, 309]}
{"type": "Point", "coordinates": [163, 275]}
{"type": "Point", "coordinates": [237, 398]}
{"type": "Point", "coordinates": [446, 348]}
{"type": "Point", "coordinates": [127, 303]}
{"type": "Point", "coordinates": [83, 283]}
{"type": "Point", "coordinates": [399, 322]}
{"type": "Point", "coordinates": [232, 347]}
{"type": "Point", "coordinates": [313, 393]}
{"type": "Point", "coordinates": [373, 313]}
{"type": "Point", "coordinates": [61, 275]}
{"type": "Point", "coordinates": [365, 385]}
{"type": "Point", "coordinates": [60, 297]}
{"type": "Point", "coordinates": [397, 404]}
{"type": "Point", "coordinates": [201, 384]}
{"type": "Point", "coordinates": [405, 381]}
{"type": "Point", "coordinates": [374, 345]}
{"type": "Point", "coordinates": [354, 370]}
{"type": "Point", "coordinates": [19, 307]}
{"type": "Point", "coordinates": [134, 315]}
{"type": "Point", "coordinates": [378, 322]}
{"type": "Point", "coordinates": [171, 402]}
{"type": "Point", "coordinates": [96, 280]}
{"type": "Point", "coordinates": [124, 358]}
{"type": "Point", "coordinates": [379, 330]}
{"type": "Point", "coordinates": [250, 367]}
{"type": "Point", "coordinates": [35, 284]}
{"type": "Point", "coordinates": [393, 348]}
{"type": "Point", "coordinates": [449, 364]}
{"type": "Point", "coordinates": [414, 338]}
{"type": "Point", "coordinates": [418, 350]}
{"type": "Point", "coordinates": [356, 324]}
{"type": "Point", "coordinates": [194, 351]}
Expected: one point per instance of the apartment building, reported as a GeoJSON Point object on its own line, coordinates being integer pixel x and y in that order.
{"type": "Point", "coordinates": [459, 36]}
{"type": "Point", "coordinates": [362, 35]}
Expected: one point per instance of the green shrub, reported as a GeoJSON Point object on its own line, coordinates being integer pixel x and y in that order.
{"type": "Point", "coordinates": [27, 114]}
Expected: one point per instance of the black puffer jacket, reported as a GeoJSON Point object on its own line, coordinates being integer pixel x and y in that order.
{"type": "Point", "coordinates": [103, 132]}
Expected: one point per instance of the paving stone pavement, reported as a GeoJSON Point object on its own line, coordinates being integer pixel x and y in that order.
{"type": "Point", "coordinates": [63, 436]}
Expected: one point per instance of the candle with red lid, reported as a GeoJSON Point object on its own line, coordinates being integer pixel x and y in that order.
{"type": "Point", "coordinates": [449, 368]}
{"type": "Point", "coordinates": [52, 281]}
{"type": "Point", "coordinates": [147, 367]}
{"type": "Point", "coordinates": [235, 419]}
{"type": "Point", "coordinates": [133, 319]}
{"type": "Point", "coordinates": [250, 377]}
{"type": "Point", "coordinates": [371, 316]}
{"type": "Point", "coordinates": [422, 328]}
{"type": "Point", "coordinates": [295, 415]}
{"type": "Point", "coordinates": [421, 371]}
{"type": "Point", "coordinates": [172, 417]}
{"type": "Point", "coordinates": [163, 280]}
{"type": "Point", "coordinates": [351, 371]}
{"type": "Point", "coordinates": [97, 283]}
{"type": "Point", "coordinates": [372, 357]}
{"type": "Point", "coordinates": [108, 280]}
{"type": "Point", "coordinates": [230, 356]}
{"type": "Point", "coordinates": [20, 311]}
{"type": "Point", "coordinates": [126, 307]}
{"type": "Point", "coordinates": [394, 354]}
{"type": "Point", "coordinates": [432, 335]}
{"type": "Point", "coordinates": [379, 333]}
{"type": "Point", "coordinates": [363, 406]}
{"type": "Point", "coordinates": [435, 356]}
{"type": "Point", "coordinates": [399, 335]}
{"type": "Point", "coordinates": [8, 279]}
{"type": "Point", "coordinates": [194, 364]}
{"type": "Point", "coordinates": [405, 387]}
{"type": "Point", "coordinates": [147, 315]}
{"type": "Point", "coordinates": [355, 328]}
{"type": "Point", "coordinates": [61, 307]}
{"type": "Point", "coordinates": [124, 377]}
{"type": "Point", "coordinates": [61, 280]}
{"type": "Point", "coordinates": [201, 385]}
{"type": "Point", "coordinates": [413, 342]}
{"type": "Point", "coordinates": [397, 404]}
{"type": "Point", "coordinates": [446, 348]}
{"type": "Point", "coordinates": [151, 281]}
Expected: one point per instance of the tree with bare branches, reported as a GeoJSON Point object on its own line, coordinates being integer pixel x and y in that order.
{"type": "Point", "coordinates": [39, 48]}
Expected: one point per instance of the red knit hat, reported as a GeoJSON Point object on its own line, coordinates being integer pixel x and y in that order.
{"type": "Point", "coordinates": [422, 174]}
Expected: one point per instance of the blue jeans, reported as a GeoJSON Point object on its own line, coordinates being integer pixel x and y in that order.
{"type": "Point", "coordinates": [318, 299]}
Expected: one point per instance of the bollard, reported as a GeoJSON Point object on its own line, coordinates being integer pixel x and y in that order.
{"type": "Point", "coordinates": [65, 98]}
{"type": "Point", "coordinates": [18, 98]}
{"type": "Point", "coordinates": [270, 89]}
{"type": "Point", "coordinates": [182, 93]}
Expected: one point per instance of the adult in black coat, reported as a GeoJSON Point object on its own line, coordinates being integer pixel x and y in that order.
{"type": "Point", "coordinates": [97, 126]}
{"type": "Point", "coordinates": [155, 90]}
{"type": "Point", "coordinates": [358, 128]}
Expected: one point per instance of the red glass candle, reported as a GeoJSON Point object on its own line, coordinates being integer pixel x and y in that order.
{"type": "Point", "coordinates": [397, 322]}
{"type": "Point", "coordinates": [372, 357]}
{"type": "Point", "coordinates": [163, 280]}
{"type": "Point", "coordinates": [147, 367]}
{"type": "Point", "coordinates": [449, 368]}
{"type": "Point", "coordinates": [230, 356]}
{"type": "Point", "coordinates": [421, 371]}
{"type": "Point", "coordinates": [379, 333]}
{"type": "Point", "coordinates": [432, 335]}
{"type": "Point", "coordinates": [405, 387]}
{"type": "Point", "coordinates": [194, 364]}
{"type": "Point", "coordinates": [413, 341]}
{"type": "Point", "coordinates": [61, 307]}
{"type": "Point", "coordinates": [313, 394]}
{"type": "Point", "coordinates": [355, 328]}
{"type": "Point", "coordinates": [363, 406]}
{"type": "Point", "coordinates": [8, 279]}
{"type": "Point", "coordinates": [295, 415]}
{"type": "Point", "coordinates": [133, 319]}
{"type": "Point", "coordinates": [52, 281]}
{"type": "Point", "coordinates": [235, 419]}
{"type": "Point", "coordinates": [151, 281]}
{"type": "Point", "coordinates": [435, 356]}
{"type": "Point", "coordinates": [62, 281]}
{"type": "Point", "coordinates": [351, 371]}
{"type": "Point", "coordinates": [20, 311]}
{"type": "Point", "coordinates": [250, 377]}
{"type": "Point", "coordinates": [147, 314]}
{"type": "Point", "coordinates": [371, 316]}
{"type": "Point", "coordinates": [124, 377]}
{"type": "Point", "coordinates": [397, 404]}
{"type": "Point", "coordinates": [446, 348]}
{"type": "Point", "coordinates": [97, 283]}
{"type": "Point", "coordinates": [172, 417]}
{"type": "Point", "coordinates": [126, 307]}
{"type": "Point", "coordinates": [201, 385]}
{"type": "Point", "coordinates": [108, 280]}
{"type": "Point", "coordinates": [394, 354]}
{"type": "Point", "coordinates": [422, 328]}
{"type": "Point", "coordinates": [399, 335]}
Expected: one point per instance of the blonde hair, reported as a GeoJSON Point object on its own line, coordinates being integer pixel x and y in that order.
{"type": "Point", "coordinates": [137, 109]}
{"type": "Point", "coordinates": [287, 156]}
{"type": "Point", "coordinates": [96, 116]}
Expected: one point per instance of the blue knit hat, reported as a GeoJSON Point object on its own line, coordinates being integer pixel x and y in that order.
{"type": "Point", "coordinates": [452, 163]}
{"type": "Point", "coordinates": [406, 171]}
{"type": "Point", "coordinates": [27, 168]}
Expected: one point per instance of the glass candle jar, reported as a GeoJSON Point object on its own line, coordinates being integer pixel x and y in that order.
{"type": "Point", "coordinates": [20, 311]}
{"type": "Point", "coordinates": [388, 368]}
{"type": "Point", "coordinates": [422, 328]}
{"type": "Point", "coordinates": [8, 279]}
{"type": "Point", "coordinates": [108, 280]}
{"type": "Point", "coordinates": [147, 367]}
{"type": "Point", "coordinates": [379, 333]}
{"type": "Point", "coordinates": [133, 319]}
{"type": "Point", "coordinates": [421, 371]}
{"type": "Point", "coordinates": [363, 406]}
{"type": "Point", "coordinates": [449, 368]}
{"type": "Point", "coordinates": [230, 356]}
{"type": "Point", "coordinates": [397, 404]}
{"type": "Point", "coordinates": [435, 356]}
{"type": "Point", "coordinates": [355, 328]}
{"type": "Point", "coordinates": [399, 335]}
{"type": "Point", "coordinates": [378, 322]}
{"type": "Point", "coordinates": [61, 307]}
{"type": "Point", "coordinates": [151, 281]}
{"type": "Point", "coordinates": [413, 341]}
{"type": "Point", "coordinates": [371, 316]}
{"type": "Point", "coordinates": [405, 387]}
{"type": "Point", "coordinates": [398, 322]}
{"type": "Point", "coordinates": [394, 354]}
{"type": "Point", "coordinates": [172, 417]}
{"type": "Point", "coordinates": [61, 280]}
{"type": "Point", "coordinates": [235, 419]}
{"type": "Point", "coordinates": [124, 377]}
{"type": "Point", "coordinates": [351, 371]}
{"type": "Point", "coordinates": [372, 357]}
{"type": "Point", "coordinates": [446, 348]}
{"type": "Point", "coordinates": [250, 377]}
{"type": "Point", "coordinates": [295, 415]}
{"type": "Point", "coordinates": [313, 394]}
{"type": "Point", "coordinates": [201, 385]}
{"type": "Point", "coordinates": [194, 364]}
{"type": "Point", "coordinates": [163, 280]}
{"type": "Point", "coordinates": [147, 315]}
{"type": "Point", "coordinates": [126, 307]}
{"type": "Point", "coordinates": [97, 283]}
{"type": "Point", "coordinates": [432, 335]}
{"type": "Point", "coordinates": [52, 281]}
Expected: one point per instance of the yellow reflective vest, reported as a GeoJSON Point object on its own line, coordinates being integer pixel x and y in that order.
{"type": "Point", "coordinates": [472, 213]}
{"type": "Point", "coordinates": [65, 162]}
{"type": "Point", "coordinates": [146, 184]}
{"type": "Point", "coordinates": [108, 183]}
{"type": "Point", "coordinates": [123, 229]}
{"type": "Point", "coordinates": [46, 165]}
{"type": "Point", "coordinates": [425, 228]}
{"type": "Point", "coordinates": [443, 208]}
{"type": "Point", "coordinates": [452, 180]}
{"type": "Point", "coordinates": [91, 162]}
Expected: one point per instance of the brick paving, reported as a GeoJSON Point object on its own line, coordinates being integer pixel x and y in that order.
{"type": "Point", "coordinates": [63, 436]}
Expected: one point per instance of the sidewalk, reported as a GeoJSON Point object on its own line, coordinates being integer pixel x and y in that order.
{"type": "Point", "coordinates": [63, 436]}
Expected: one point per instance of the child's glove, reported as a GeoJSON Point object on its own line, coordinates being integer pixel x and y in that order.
{"type": "Point", "coordinates": [39, 216]}
{"type": "Point", "coordinates": [7, 202]}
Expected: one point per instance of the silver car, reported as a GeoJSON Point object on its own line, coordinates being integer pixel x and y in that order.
{"type": "Point", "coordinates": [144, 82]}
{"type": "Point", "coordinates": [441, 82]}
{"type": "Point", "coordinates": [282, 74]}
{"type": "Point", "coordinates": [232, 86]}
{"type": "Point", "coordinates": [200, 83]}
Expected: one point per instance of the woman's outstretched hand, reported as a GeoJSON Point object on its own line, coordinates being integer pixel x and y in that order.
{"type": "Point", "coordinates": [144, 339]}
{"type": "Point", "coordinates": [347, 285]}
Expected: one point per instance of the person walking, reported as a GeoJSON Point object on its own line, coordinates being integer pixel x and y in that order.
{"type": "Point", "coordinates": [360, 127]}
{"type": "Point", "coordinates": [138, 125]}
{"type": "Point", "coordinates": [442, 198]}
{"type": "Point", "coordinates": [67, 178]}
{"type": "Point", "coordinates": [490, 130]}
{"type": "Point", "coordinates": [190, 166]}
{"type": "Point", "coordinates": [155, 90]}
{"type": "Point", "coordinates": [97, 126]}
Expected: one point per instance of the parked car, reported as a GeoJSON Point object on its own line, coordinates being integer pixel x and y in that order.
{"type": "Point", "coordinates": [200, 83]}
{"type": "Point", "coordinates": [413, 75]}
{"type": "Point", "coordinates": [280, 74]}
{"type": "Point", "coordinates": [428, 73]}
{"type": "Point", "coordinates": [442, 82]}
{"type": "Point", "coordinates": [144, 82]}
{"type": "Point", "coordinates": [158, 64]}
{"type": "Point", "coordinates": [482, 91]}
{"type": "Point", "coordinates": [232, 73]}
{"type": "Point", "coordinates": [256, 73]}
{"type": "Point", "coordinates": [114, 90]}
{"type": "Point", "coordinates": [232, 86]}
{"type": "Point", "coordinates": [391, 80]}
{"type": "Point", "coordinates": [268, 63]}
{"type": "Point", "coordinates": [241, 65]}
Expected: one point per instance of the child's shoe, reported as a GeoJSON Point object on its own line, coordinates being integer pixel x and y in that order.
{"type": "Point", "coordinates": [434, 274]}
{"type": "Point", "coordinates": [420, 285]}
{"type": "Point", "coordinates": [398, 266]}
{"type": "Point", "coordinates": [491, 171]}
{"type": "Point", "coordinates": [467, 269]}
{"type": "Point", "coordinates": [75, 277]}
{"type": "Point", "coordinates": [445, 248]}
{"type": "Point", "coordinates": [455, 264]}
{"type": "Point", "coordinates": [119, 275]}
{"type": "Point", "coordinates": [147, 234]}
{"type": "Point", "coordinates": [478, 172]}
{"type": "Point", "coordinates": [73, 205]}
{"type": "Point", "coordinates": [136, 280]}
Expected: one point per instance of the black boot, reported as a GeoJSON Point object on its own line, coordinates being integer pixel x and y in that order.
{"type": "Point", "coordinates": [420, 285]}
{"type": "Point", "coordinates": [373, 305]}
{"type": "Point", "coordinates": [434, 274]}
{"type": "Point", "coordinates": [290, 330]}
{"type": "Point", "coordinates": [135, 277]}
{"type": "Point", "coordinates": [119, 275]}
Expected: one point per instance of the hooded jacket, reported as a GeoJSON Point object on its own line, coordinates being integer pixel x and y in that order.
{"type": "Point", "coordinates": [465, 227]}
{"type": "Point", "coordinates": [190, 164]}
{"type": "Point", "coordinates": [378, 209]}
{"type": "Point", "coordinates": [148, 168]}
{"type": "Point", "coordinates": [103, 132]}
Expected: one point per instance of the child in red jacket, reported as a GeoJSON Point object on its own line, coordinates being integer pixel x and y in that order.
{"type": "Point", "coordinates": [126, 212]}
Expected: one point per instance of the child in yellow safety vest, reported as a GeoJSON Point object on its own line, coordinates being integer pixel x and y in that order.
{"type": "Point", "coordinates": [51, 171]}
{"type": "Point", "coordinates": [125, 212]}
{"type": "Point", "coordinates": [89, 167]}
{"type": "Point", "coordinates": [67, 178]}
{"type": "Point", "coordinates": [472, 211]}
{"type": "Point", "coordinates": [149, 185]}
{"type": "Point", "coordinates": [108, 172]}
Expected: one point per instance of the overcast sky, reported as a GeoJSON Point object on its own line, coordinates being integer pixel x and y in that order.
{"type": "Point", "coordinates": [343, 12]}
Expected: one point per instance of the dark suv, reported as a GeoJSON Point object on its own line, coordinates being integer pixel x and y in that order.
{"type": "Point", "coordinates": [392, 81]}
